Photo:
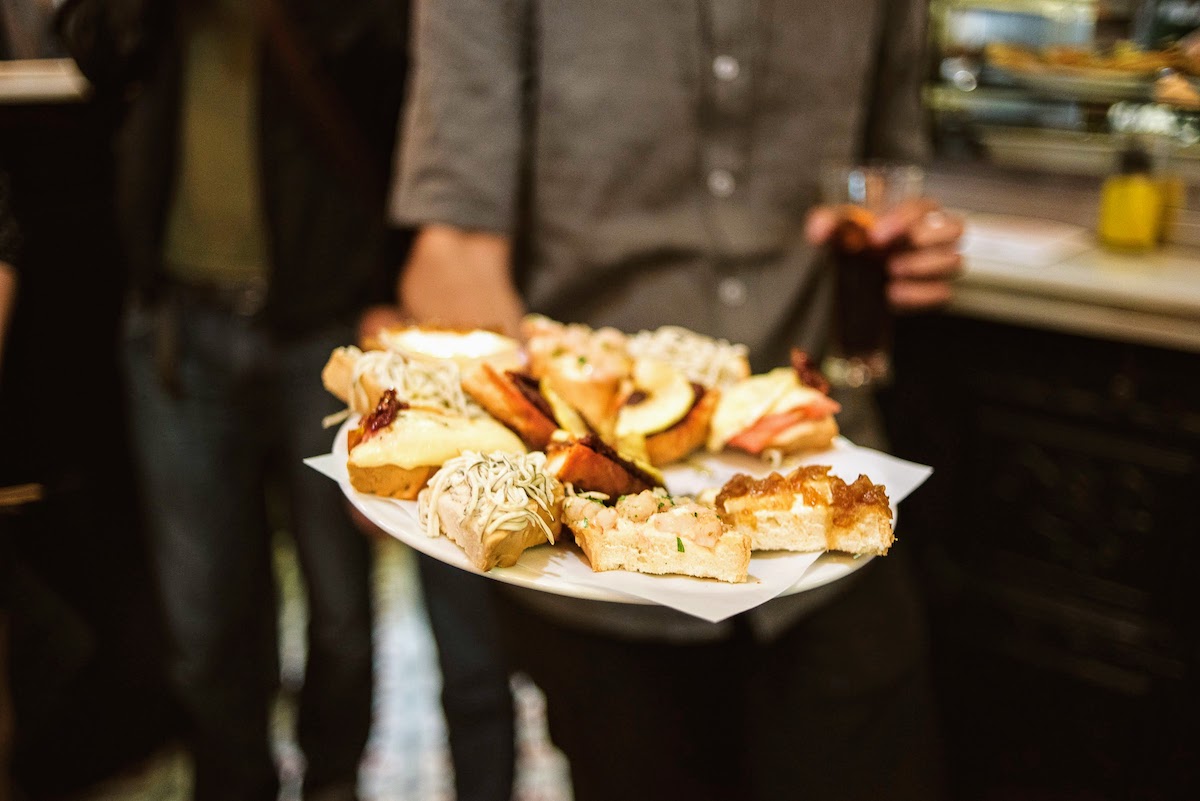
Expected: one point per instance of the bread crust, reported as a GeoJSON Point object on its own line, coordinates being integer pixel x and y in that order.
{"type": "Point", "coordinates": [500, 548]}
{"type": "Point", "coordinates": [809, 435]}
{"type": "Point", "coordinates": [686, 436]}
{"type": "Point", "coordinates": [390, 481]}
{"type": "Point", "coordinates": [496, 392]}
{"type": "Point", "coordinates": [337, 375]}
{"type": "Point", "coordinates": [614, 540]}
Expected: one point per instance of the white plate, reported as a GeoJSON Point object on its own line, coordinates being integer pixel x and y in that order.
{"type": "Point", "coordinates": [563, 570]}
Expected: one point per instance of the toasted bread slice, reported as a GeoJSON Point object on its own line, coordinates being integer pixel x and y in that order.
{"type": "Point", "coordinates": [590, 465]}
{"type": "Point", "coordinates": [389, 480]}
{"type": "Point", "coordinates": [652, 532]}
{"type": "Point", "coordinates": [396, 449]}
{"type": "Point", "coordinates": [512, 400]}
{"type": "Point", "coordinates": [807, 435]}
{"type": "Point", "coordinates": [338, 374]}
{"type": "Point", "coordinates": [594, 398]}
{"type": "Point", "coordinates": [493, 506]}
{"type": "Point", "coordinates": [808, 510]}
{"type": "Point", "coordinates": [688, 434]}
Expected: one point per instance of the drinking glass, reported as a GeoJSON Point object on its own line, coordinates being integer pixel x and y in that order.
{"type": "Point", "coordinates": [862, 321]}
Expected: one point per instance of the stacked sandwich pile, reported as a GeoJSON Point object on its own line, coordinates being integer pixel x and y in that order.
{"type": "Point", "coordinates": [507, 446]}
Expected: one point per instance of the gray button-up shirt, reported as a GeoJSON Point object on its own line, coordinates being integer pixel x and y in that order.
{"type": "Point", "coordinates": [654, 160]}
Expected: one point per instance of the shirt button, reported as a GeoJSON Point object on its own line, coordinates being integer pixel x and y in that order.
{"type": "Point", "coordinates": [726, 68]}
{"type": "Point", "coordinates": [731, 291]}
{"type": "Point", "coordinates": [721, 183]}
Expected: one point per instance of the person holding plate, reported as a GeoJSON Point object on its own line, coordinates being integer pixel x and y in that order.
{"type": "Point", "coordinates": [640, 164]}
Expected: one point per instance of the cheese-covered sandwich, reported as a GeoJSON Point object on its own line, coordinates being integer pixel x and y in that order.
{"type": "Point", "coordinates": [396, 448]}
{"type": "Point", "coordinates": [775, 410]}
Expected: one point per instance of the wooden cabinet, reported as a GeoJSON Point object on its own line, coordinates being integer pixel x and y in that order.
{"type": "Point", "coordinates": [1057, 544]}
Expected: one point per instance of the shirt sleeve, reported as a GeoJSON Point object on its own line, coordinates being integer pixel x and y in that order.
{"type": "Point", "coordinates": [896, 127]}
{"type": "Point", "coordinates": [458, 159]}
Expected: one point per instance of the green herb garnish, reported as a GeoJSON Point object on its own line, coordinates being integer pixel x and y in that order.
{"type": "Point", "coordinates": [679, 544]}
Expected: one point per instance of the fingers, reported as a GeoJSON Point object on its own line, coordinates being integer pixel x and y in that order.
{"type": "Point", "coordinates": [905, 295]}
{"type": "Point", "coordinates": [902, 220]}
{"type": "Point", "coordinates": [936, 228]}
{"type": "Point", "coordinates": [934, 262]}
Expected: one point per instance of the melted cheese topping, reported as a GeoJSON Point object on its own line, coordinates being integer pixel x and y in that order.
{"type": "Point", "coordinates": [418, 382]}
{"type": "Point", "coordinates": [504, 491]}
{"type": "Point", "coordinates": [476, 344]}
{"type": "Point", "coordinates": [704, 360]}
{"type": "Point", "coordinates": [418, 438]}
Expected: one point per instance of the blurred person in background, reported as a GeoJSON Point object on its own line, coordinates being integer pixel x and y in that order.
{"type": "Point", "coordinates": [638, 164]}
{"type": "Point", "coordinates": [9, 239]}
{"type": "Point", "coordinates": [253, 145]}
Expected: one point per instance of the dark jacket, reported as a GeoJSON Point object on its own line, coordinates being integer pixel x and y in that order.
{"type": "Point", "coordinates": [324, 186]}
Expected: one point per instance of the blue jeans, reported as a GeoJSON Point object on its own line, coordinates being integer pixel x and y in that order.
{"type": "Point", "coordinates": [222, 414]}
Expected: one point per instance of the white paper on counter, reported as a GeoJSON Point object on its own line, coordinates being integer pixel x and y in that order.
{"type": "Point", "coordinates": [564, 570]}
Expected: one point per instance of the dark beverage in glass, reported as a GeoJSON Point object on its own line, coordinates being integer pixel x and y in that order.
{"type": "Point", "coordinates": [860, 353]}
{"type": "Point", "coordinates": [862, 318]}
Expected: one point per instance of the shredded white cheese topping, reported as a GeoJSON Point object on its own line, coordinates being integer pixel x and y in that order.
{"type": "Point", "coordinates": [418, 382]}
{"type": "Point", "coordinates": [704, 360]}
{"type": "Point", "coordinates": [500, 488]}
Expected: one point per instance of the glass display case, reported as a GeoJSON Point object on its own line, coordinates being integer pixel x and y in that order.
{"type": "Point", "coordinates": [1058, 85]}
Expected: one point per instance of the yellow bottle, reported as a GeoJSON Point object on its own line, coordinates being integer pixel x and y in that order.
{"type": "Point", "coordinates": [1131, 205]}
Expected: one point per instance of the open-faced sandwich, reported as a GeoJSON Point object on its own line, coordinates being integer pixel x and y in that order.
{"type": "Point", "coordinates": [585, 367]}
{"type": "Point", "coordinates": [396, 448]}
{"type": "Point", "coordinates": [462, 346]}
{"type": "Point", "coordinates": [703, 360]}
{"type": "Point", "coordinates": [786, 410]}
{"type": "Point", "coordinates": [662, 416]}
{"type": "Point", "coordinates": [529, 407]}
{"type": "Point", "coordinates": [493, 505]}
{"type": "Point", "coordinates": [360, 378]}
{"type": "Point", "coordinates": [808, 510]}
{"type": "Point", "coordinates": [652, 532]}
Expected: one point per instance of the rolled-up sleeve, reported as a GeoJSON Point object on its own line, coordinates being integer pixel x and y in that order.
{"type": "Point", "coordinates": [896, 128]}
{"type": "Point", "coordinates": [461, 139]}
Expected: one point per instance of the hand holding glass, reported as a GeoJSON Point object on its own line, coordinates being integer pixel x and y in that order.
{"type": "Point", "coordinates": [862, 320]}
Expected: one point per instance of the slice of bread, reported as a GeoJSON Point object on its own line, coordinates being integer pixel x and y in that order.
{"type": "Point", "coordinates": [512, 401]}
{"type": "Point", "coordinates": [338, 374]}
{"type": "Point", "coordinates": [653, 533]}
{"type": "Point", "coordinates": [808, 510]}
{"type": "Point", "coordinates": [590, 465]}
{"type": "Point", "coordinates": [807, 435]}
{"type": "Point", "coordinates": [493, 506]}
